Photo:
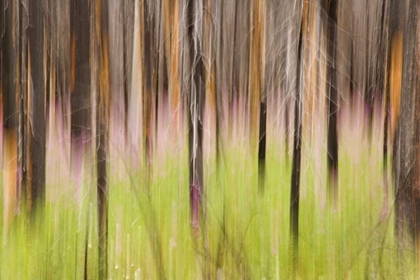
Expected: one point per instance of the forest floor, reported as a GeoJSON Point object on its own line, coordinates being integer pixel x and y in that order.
{"type": "Point", "coordinates": [245, 233]}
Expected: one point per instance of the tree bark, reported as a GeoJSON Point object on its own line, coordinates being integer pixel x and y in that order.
{"type": "Point", "coordinates": [9, 88]}
{"type": "Point", "coordinates": [296, 161]}
{"type": "Point", "coordinates": [196, 100]}
{"type": "Point", "coordinates": [262, 145]}
{"type": "Point", "coordinates": [332, 149]}
{"type": "Point", "coordinates": [80, 66]}
{"type": "Point", "coordinates": [80, 87]}
{"type": "Point", "coordinates": [38, 97]}
{"type": "Point", "coordinates": [406, 152]}
{"type": "Point", "coordinates": [103, 107]}
{"type": "Point", "coordinates": [258, 98]}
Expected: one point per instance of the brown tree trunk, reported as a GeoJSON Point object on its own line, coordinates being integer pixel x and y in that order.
{"type": "Point", "coordinates": [37, 104]}
{"type": "Point", "coordinates": [24, 132]}
{"type": "Point", "coordinates": [9, 88]}
{"type": "Point", "coordinates": [332, 149]}
{"type": "Point", "coordinates": [262, 145]}
{"type": "Point", "coordinates": [80, 80]}
{"type": "Point", "coordinates": [102, 124]}
{"type": "Point", "coordinates": [128, 47]}
{"type": "Point", "coordinates": [80, 66]}
{"type": "Point", "coordinates": [297, 147]}
{"type": "Point", "coordinates": [383, 83]}
{"type": "Point", "coordinates": [402, 176]}
{"type": "Point", "coordinates": [256, 82]}
{"type": "Point", "coordinates": [406, 142]}
{"type": "Point", "coordinates": [149, 88]}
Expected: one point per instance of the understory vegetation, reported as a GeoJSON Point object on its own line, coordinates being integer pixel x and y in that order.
{"type": "Point", "coordinates": [245, 235]}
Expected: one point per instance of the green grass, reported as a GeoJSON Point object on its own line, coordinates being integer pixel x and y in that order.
{"type": "Point", "coordinates": [245, 235]}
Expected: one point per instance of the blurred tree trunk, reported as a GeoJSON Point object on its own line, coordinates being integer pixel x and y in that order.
{"type": "Point", "coordinates": [405, 49]}
{"type": "Point", "coordinates": [401, 141]}
{"type": "Point", "coordinates": [24, 108]}
{"type": "Point", "coordinates": [331, 8]}
{"type": "Point", "coordinates": [24, 133]}
{"type": "Point", "coordinates": [80, 67]}
{"type": "Point", "coordinates": [256, 81]}
{"type": "Point", "coordinates": [382, 82]}
{"type": "Point", "coordinates": [262, 144]}
{"type": "Point", "coordinates": [196, 98]}
{"type": "Point", "coordinates": [257, 86]}
{"type": "Point", "coordinates": [80, 86]}
{"type": "Point", "coordinates": [149, 64]}
{"type": "Point", "coordinates": [297, 146]}
{"type": "Point", "coordinates": [171, 46]}
{"type": "Point", "coordinates": [10, 91]}
{"type": "Point", "coordinates": [102, 124]}
{"type": "Point", "coordinates": [36, 156]}
{"type": "Point", "coordinates": [128, 56]}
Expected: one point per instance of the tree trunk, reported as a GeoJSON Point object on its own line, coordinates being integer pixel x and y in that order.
{"type": "Point", "coordinates": [258, 98]}
{"type": "Point", "coordinates": [332, 149]}
{"type": "Point", "coordinates": [9, 88]}
{"type": "Point", "coordinates": [80, 80]}
{"type": "Point", "coordinates": [196, 100]}
{"type": "Point", "coordinates": [103, 107]}
{"type": "Point", "coordinates": [382, 82]}
{"type": "Point", "coordinates": [296, 161]}
{"type": "Point", "coordinates": [405, 47]}
{"type": "Point", "coordinates": [37, 104]}
{"type": "Point", "coordinates": [262, 145]}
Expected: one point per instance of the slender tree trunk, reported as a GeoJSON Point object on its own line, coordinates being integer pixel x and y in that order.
{"type": "Point", "coordinates": [24, 133]}
{"type": "Point", "coordinates": [38, 97]}
{"type": "Point", "coordinates": [149, 70]}
{"type": "Point", "coordinates": [286, 132]}
{"type": "Point", "coordinates": [128, 64]}
{"type": "Point", "coordinates": [414, 17]}
{"type": "Point", "coordinates": [9, 89]}
{"type": "Point", "coordinates": [256, 83]}
{"type": "Point", "coordinates": [399, 141]}
{"type": "Point", "coordinates": [382, 82]}
{"type": "Point", "coordinates": [256, 79]}
{"type": "Point", "coordinates": [80, 80]}
{"type": "Point", "coordinates": [262, 145]}
{"type": "Point", "coordinates": [103, 107]}
{"type": "Point", "coordinates": [80, 67]}
{"type": "Point", "coordinates": [296, 161]}
{"type": "Point", "coordinates": [196, 100]}
{"type": "Point", "coordinates": [332, 149]}
{"type": "Point", "coordinates": [174, 75]}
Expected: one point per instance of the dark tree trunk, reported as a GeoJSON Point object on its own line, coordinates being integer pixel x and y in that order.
{"type": "Point", "coordinates": [37, 104]}
{"type": "Point", "coordinates": [128, 30]}
{"type": "Point", "coordinates": [80, 69]}
{"type": "Point", "coordinates": [80, 81]}
{"type": "Point", "coordinates": [258, 83]}
{"type": "Point", "coordinates": [383, 64]}
{"type": "Point", "coordinates": [297, 143]}
{"type": "Point", "coordinates": [103, 103]}
{"type": "Point", "coordinates": [262, 145]}
{"type": "Point", "coordinates": [9, 60]}
{"type": "Point", "coordinates": [149, 69]}
{"type": "Point", "coordinates": [9, 84]}
{"type": "Point", "coordinates": [80, 87]}
{"type": "Point", "coordinates": [286, 132]}
{"type": "Point", "coordinates": [332, 149]}
{"type": "Point", "coordinates": [406, 161]}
